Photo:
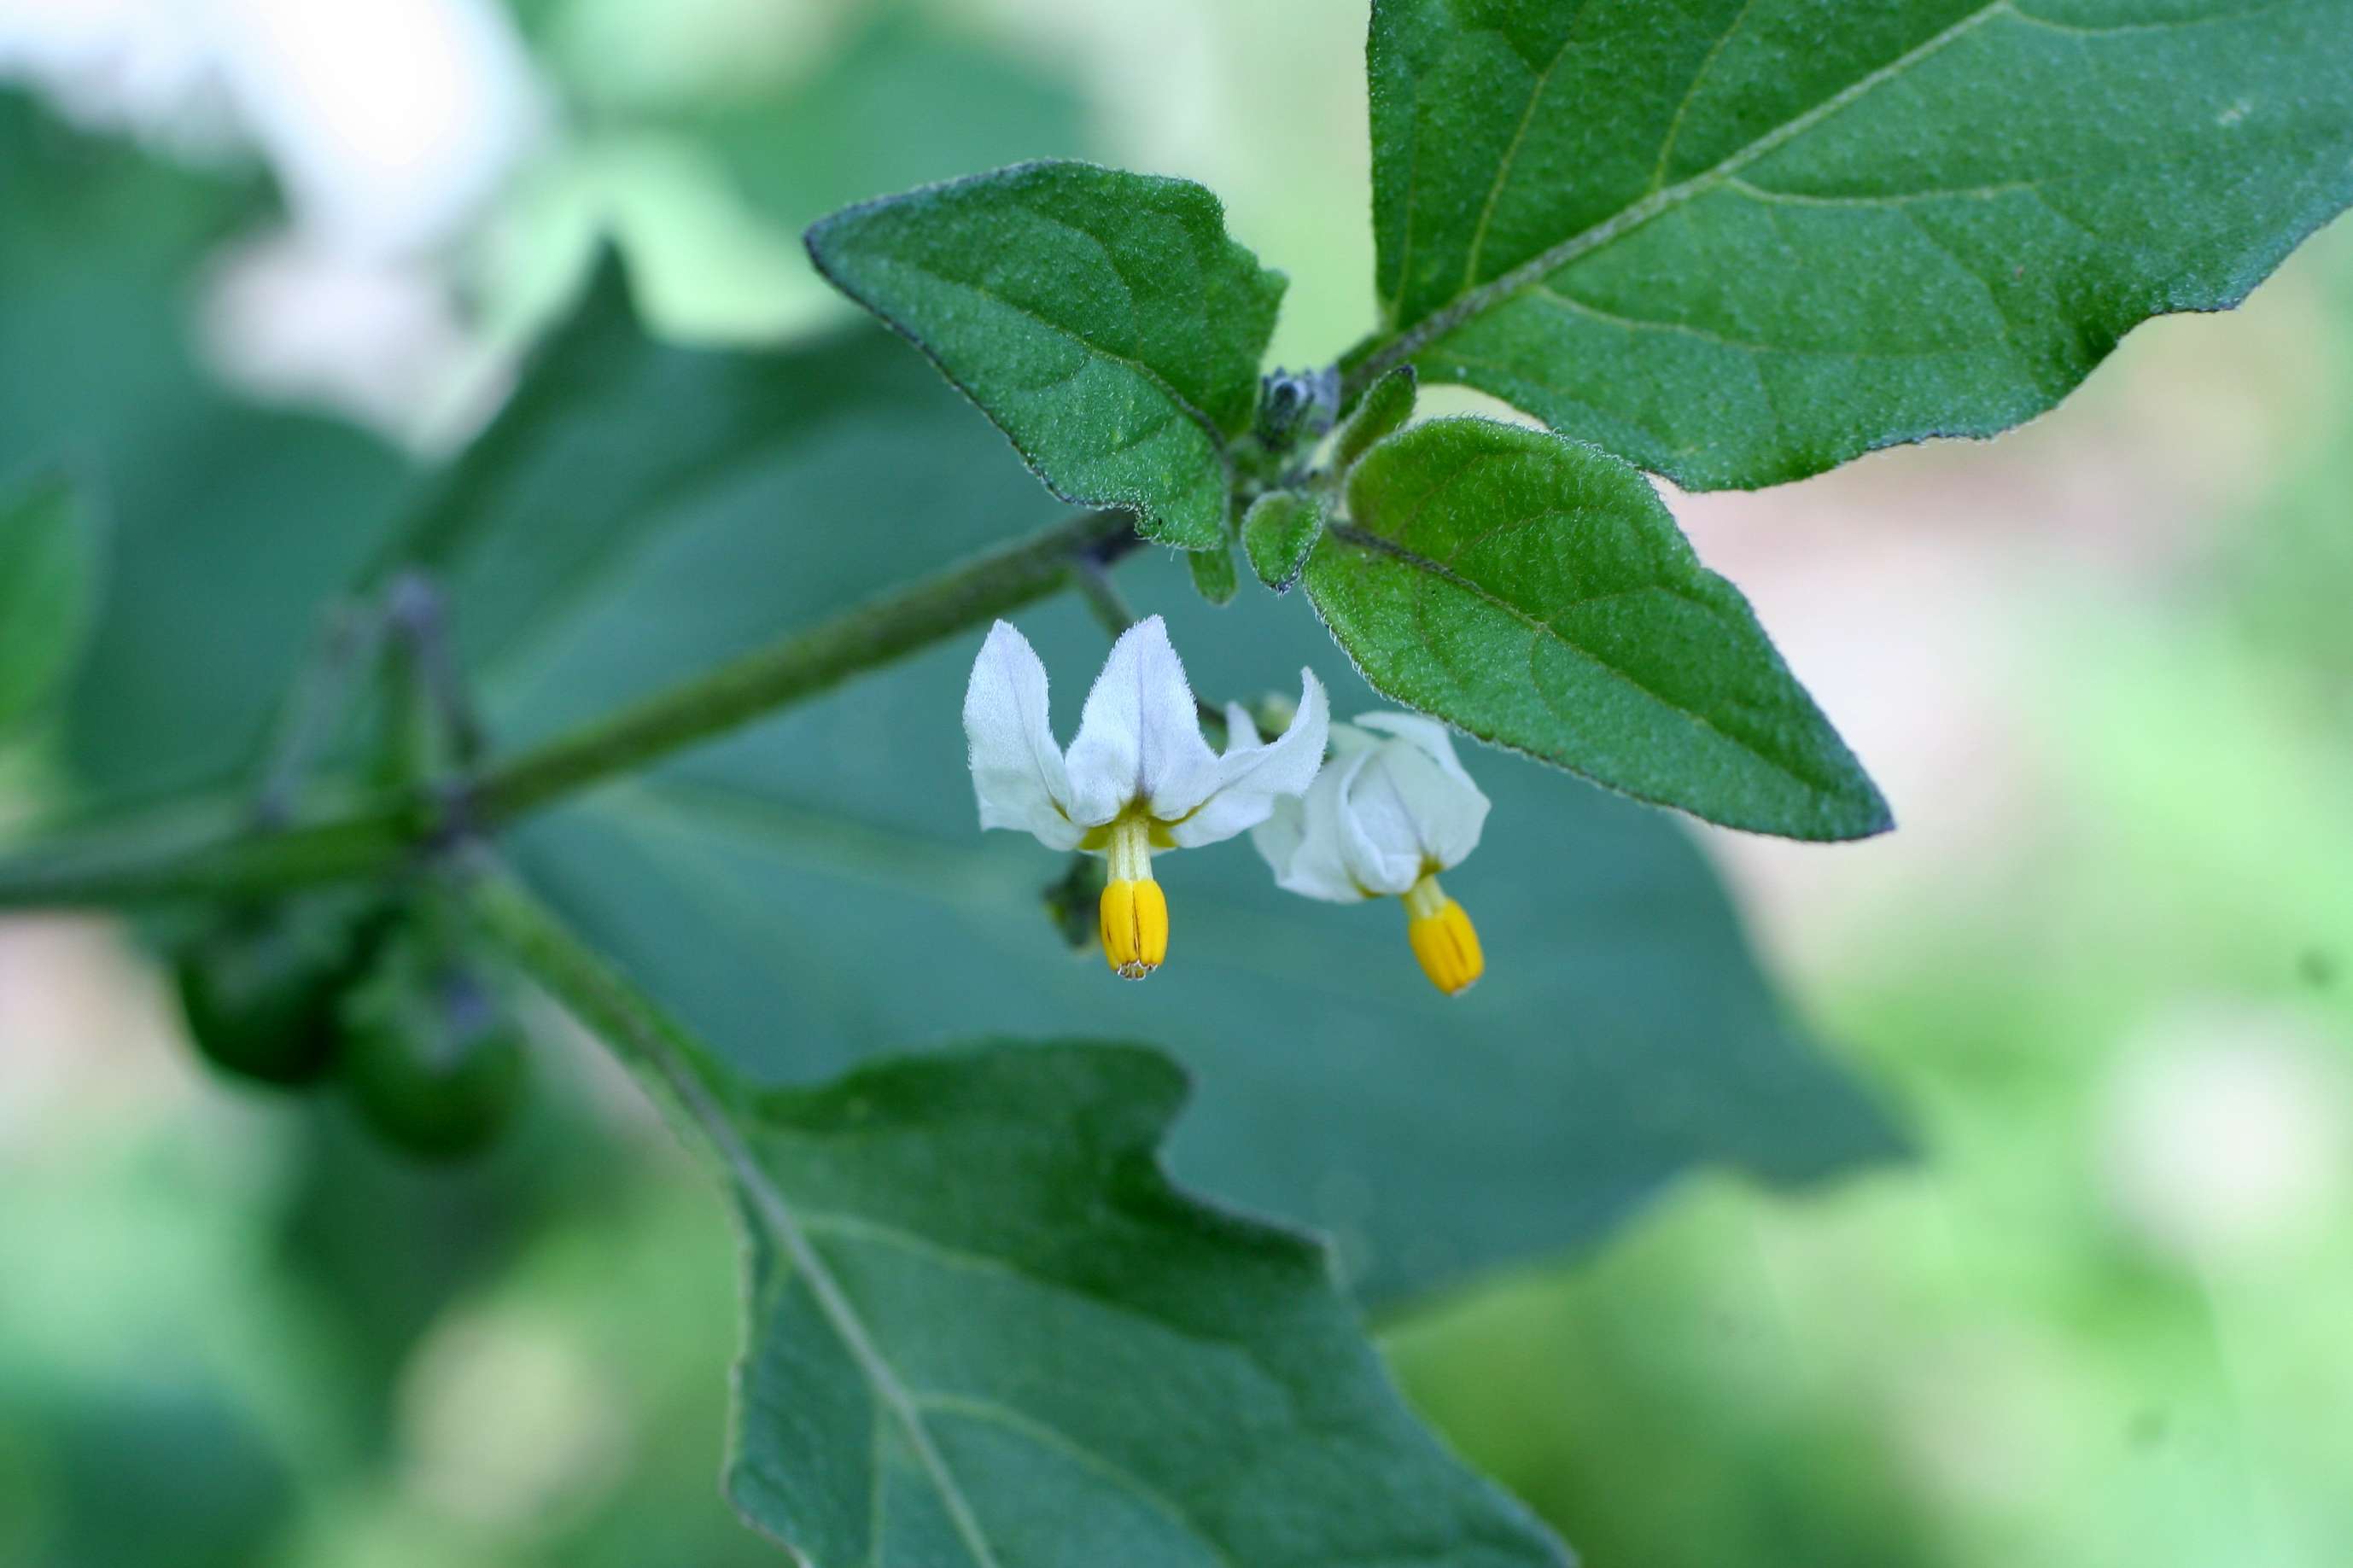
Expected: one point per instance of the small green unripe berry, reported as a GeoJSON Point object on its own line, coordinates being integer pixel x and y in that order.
{"type": "Point", "coordinates": [259, 990]}
{"type": "Point", "coordinates": [433, 1053]}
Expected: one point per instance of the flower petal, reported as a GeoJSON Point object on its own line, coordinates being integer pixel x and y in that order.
{"type": "Point", "coordinates": [1301, 840]}
{"type": "Point", "coordinates": [1379, 835]}
{"type": "Point", "coordinates": [1140, 736]}
{"type": "Point", "coordinates": [1247, 779]}
{"type": "Point", "coordinates": [1017, 776]}
{"type": "Point", "coordinates": [1447, 809]}
{"type": "Point", "coordinates": [1427, 735]}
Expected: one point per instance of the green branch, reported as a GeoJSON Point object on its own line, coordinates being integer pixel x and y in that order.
{"type": "Point", "coordinates": [121, 868]}
{"type": "Point", "coordinates": [800, 667]}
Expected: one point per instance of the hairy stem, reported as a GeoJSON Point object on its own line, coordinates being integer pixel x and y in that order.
{"type": "Point", "coordinates": [798, 668]}
{"type": "Point", "coordinates": [122, 868]}
{"type": "Point", "coordinates": [135, 866]}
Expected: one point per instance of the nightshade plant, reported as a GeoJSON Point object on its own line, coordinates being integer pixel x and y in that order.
{"type": "Point", "coordinates": [1727, 242]}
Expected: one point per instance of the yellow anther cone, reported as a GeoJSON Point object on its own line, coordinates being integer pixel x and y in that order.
{"type": "Point", "coordinates": [1443, 938]}
{"type": "Point", "coordinates": [1135, 927]}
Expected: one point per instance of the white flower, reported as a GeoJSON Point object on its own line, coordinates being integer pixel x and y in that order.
{"type": "Point", "coordinates": [1393, 810]}
{"type": "Point", "coordinates": [1138, 777]}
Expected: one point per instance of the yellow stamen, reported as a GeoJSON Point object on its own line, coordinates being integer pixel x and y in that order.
{"type": "Point", "coordinates": [1135, 927]}
{"type": "Point", "coordinates": [1443, 938]}
{"type": "Point", "coordinates": [1135, 912]}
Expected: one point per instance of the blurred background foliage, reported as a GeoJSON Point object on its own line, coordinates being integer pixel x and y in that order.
{"type": "Point", "coordinates": [2103, 667]}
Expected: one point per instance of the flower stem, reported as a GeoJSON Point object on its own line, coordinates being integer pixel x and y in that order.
{"type": "Point", "coordinates": [121, 868]}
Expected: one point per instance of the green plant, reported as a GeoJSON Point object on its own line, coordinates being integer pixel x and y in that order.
{"type": "Point", "coordinates": [1731, 245]}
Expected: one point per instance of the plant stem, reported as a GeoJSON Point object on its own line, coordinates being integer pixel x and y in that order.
{"type": "Point", "coordinates": [122, 868]}
{"type": "Point", "coordinates": [798, 668]}
{"type": "Point", "coordinates": [141, 866]}
{"type": "Point", "coordinates": [607, 1005]}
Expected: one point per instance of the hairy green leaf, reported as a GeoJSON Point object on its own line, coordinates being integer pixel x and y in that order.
{"type": "Point", "coordinates": [1102, 320]}
{"type": "Point", "coordinates": [1388, 404]}
{"type": "Point", "coordinates": [48, 590]}
{"type": "Point", "coordinates": [984, 1330]}
{"type": "Point", "coordinates": [1278, 530]}
{"type": "Point", "coordinates": [1741, 241]}
{"type": "Point", "coordinates": [1214, 577]}
{"type": "Point", "coordinates": [1537, 594]}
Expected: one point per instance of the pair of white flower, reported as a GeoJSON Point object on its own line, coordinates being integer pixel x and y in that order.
{"type": "Point", "coordinates": [1392, 809]}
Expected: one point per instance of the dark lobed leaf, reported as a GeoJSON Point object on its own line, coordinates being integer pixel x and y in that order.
{"type": "Point", "coordinates": [1102, 320]}
{"type": "Point", "coordinates": [1742, 241]}
{"type": "Point", "coordinates": [1536, 593]}
{"type": "Point", "coordinates": [985, 1329]}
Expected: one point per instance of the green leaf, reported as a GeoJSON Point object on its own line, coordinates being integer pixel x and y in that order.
{"type": "Point", "coordinates": [1537, 594]}
{"type": "Point", "coordinates": [1102, 320]}
{"type": "Point", "coordinates": [1387, 406]}
{"type": "Point", "coordinates": [48, 590]}
{"type": "Point", "coordinates": [1742, 241]}
{"type": "Point", "coordinates": [1277, 531]}
{"type": "Point", "coordinates": [1214, 577]}
{"type": "Point", "coordinates": [985, 1329]}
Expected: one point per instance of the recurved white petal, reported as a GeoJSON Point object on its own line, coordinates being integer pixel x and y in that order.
{"type": "Point", "coordinates": [1249, 778]}
{"type": "Point", "coordinates": [1419, 767]}
{"type": "Point", "coordinates": [1378, 840]}
{"type": "Point", "coordinates": [1140, 735]}
{"type": "Point", "coordinates": [1300, 840]}
{"type": "Point", "coordinates": [1426, 734]}
{"type": "Point", "coordinates": [1018, 773]}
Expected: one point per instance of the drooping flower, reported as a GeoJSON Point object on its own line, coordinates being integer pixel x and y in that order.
{"type": "Point", "coordinates": [1393, 810]}
{"type": "Point", "coordinates": [1138, 776]}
